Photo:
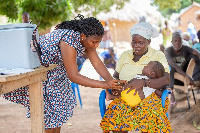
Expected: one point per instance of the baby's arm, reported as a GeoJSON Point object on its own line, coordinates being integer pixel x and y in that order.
{"type": "Point", "coordinates": [158, 92]}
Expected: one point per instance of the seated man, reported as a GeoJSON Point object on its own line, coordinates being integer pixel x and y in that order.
{"type": "Point", "coordinates": [178, 57]}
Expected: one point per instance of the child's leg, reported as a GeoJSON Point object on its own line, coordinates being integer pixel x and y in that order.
{"type": "Point", "coordinates": [159, 93]}
{"type": "Point", "coordinates": [109, 96]}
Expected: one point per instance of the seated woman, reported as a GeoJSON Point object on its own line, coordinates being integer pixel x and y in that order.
{"type": "Point", "coordinates": [148, 115]}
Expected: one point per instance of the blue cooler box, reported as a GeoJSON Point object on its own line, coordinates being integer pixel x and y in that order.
{"type": "Point", "coordinates": [15, 46]}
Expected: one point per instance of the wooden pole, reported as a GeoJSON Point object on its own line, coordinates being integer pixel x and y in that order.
{"type": "Point", "coordinates": [115, 36]}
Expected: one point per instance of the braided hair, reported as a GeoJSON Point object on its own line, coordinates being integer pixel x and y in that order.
{"type": "Point", "coordinates": [158, 69]}
{"type": "Point", "coordinates": [88, 26]}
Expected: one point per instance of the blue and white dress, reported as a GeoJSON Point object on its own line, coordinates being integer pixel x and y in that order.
{"type": "Point", "coordinates": [59, 99]}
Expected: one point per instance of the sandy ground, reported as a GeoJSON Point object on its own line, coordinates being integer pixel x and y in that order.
{"type": "Point", "coordinates": [86, 120]}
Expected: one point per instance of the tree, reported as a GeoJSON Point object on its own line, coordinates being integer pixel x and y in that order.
{"type": "Point", "coordinates": [47, 12]}
{"type": "Point", "coordinates": [167, 7]}
{"type": "Point", "coordinates": [97, 6]}
{"type": "Point", "coordinates": [50, 12]}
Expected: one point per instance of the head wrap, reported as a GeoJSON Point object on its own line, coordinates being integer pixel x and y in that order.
{"type": "Point", "coordinates": [145, 30]}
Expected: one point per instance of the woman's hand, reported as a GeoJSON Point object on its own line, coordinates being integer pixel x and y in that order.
{"type": "Point", "coordinates": [136, 84]}
{"type": "Point", "coordinates": [115, 84]}
{"type": "Point", "coordinates": [122, 82]}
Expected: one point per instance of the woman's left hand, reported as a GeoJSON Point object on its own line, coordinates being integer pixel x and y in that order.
{"type": "Point", "coordinates": [136, 84]}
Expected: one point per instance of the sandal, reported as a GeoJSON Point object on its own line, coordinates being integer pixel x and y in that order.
{"type": "Point", "coordinates": [174, 104]}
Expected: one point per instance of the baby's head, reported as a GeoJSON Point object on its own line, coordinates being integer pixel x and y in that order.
{"type": "Point", "coordinates": [154, 69]}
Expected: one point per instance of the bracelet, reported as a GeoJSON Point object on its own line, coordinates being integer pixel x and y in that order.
{"type": "Point", "coordinates": [149, 82]}
{"type": "Point", "coordinates": [145, 84]}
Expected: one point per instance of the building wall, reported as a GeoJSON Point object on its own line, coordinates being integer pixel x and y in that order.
{"type": "Point", "coordinates": [122, 30]}
{"type": "Point", "coordinates": [190, 16]}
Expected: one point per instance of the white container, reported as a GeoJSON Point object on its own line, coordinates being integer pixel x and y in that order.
{"type": "Point", "coordinates": [15, 48]}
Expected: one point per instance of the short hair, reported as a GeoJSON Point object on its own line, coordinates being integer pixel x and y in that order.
{"type": "Point", "coordinates": [88, 26]}
{"type": "Point", "coordinates": [158, 69]}
{"type": "Point", "coordinates": [26, 13]}
{"type": "Point", "coordinates": [176, 34]}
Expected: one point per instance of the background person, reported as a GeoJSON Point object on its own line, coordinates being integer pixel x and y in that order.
{"type": "Point", "coordinates": [167, 35]}
{"type": "Point", "coordinates": [25, 17]}
{"type": "Point", "coordinates": [197, 44]}
{"type": "Point", "coordinates": [80, 60]}
{"type": "Point", "coordinates": [178, 56]}
{"type": "Point", "coordinates": [192, 30]}
{"type": "Point", "coordinates": [107, 38]}
{"type": "Point", "coordinates": [186, 39]}
{"type": "Point", "coordinates": [110, 58]}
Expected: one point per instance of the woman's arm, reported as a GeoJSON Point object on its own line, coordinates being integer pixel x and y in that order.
{"type": "Point", "coordinates": [98, 65]}
{"type": "Point", "coordinates": [159, 83]}
{"type": "Point", "coordinates": [116, 75]}
{"type": "Point", "coordinates": [69, 59]}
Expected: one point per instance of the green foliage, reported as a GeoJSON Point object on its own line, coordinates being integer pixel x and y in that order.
{"type": "Point", "coordinates": [9, 8]}
{"type": "Point", "coordinates": [165, 4]}
{"type": "Point", "coordinates": [167, 7]}
{"type": "Point", "coordinates": [50, 12]}
{"type": "Point", "coordinates": [195, 125]}
{"type": "Point", "coordinates": [186, 3]}
{"type": "Point", "coordinates": [47, 12]}
{"type": "Point", "coordinates": [97, 6]}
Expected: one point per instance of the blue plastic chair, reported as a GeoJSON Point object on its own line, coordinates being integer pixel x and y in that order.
{"type": "Point", "coordinates": [102, 99]}
{"type": "Point", "coordinates": [75, 85]}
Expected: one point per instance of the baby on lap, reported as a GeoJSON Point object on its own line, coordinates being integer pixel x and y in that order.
{"type": "Point", "coordinates": [154, 69]}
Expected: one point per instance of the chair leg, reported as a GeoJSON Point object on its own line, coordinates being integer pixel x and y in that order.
{"type": "Point", "coordinates": [188, 100]}
{"type": "Point", "coordinates": [194, 96]}
{"type": "Point", "coordinates": [73, 88]}
{"type": "Point", "coordinates": [79, 95]}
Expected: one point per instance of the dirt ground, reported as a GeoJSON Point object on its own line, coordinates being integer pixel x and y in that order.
{"type": "Point", "coordinates": [86, 120]}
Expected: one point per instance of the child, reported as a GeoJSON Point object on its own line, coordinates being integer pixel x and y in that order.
{"type": "Point", "coordinates": [110, 58]}
{"type": "Point", "coordinates": [25, 17]}
{"type": "Point", "coordinates": [154, 69]}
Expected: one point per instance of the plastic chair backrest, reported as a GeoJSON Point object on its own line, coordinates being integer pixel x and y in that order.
{"type": "Point", "coordinates": [190, 67]}
{"type": "Point", "coordinates": [79, 68]}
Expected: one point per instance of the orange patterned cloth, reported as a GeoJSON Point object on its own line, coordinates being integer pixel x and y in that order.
{"type": "Point", "coordinates": [148, 116]}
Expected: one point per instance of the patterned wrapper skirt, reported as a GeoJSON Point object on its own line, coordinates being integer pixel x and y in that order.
{"type": "Point", "coordinates": [148, 116]}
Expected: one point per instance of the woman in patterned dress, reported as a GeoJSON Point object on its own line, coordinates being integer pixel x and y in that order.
{"type": "Point", "coordinates": [148, 115]}
{"type": "Point", "coordinates": [61, 47]}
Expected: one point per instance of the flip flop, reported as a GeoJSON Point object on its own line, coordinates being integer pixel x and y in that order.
{"type": "Point", "coordinates": [174, 104]}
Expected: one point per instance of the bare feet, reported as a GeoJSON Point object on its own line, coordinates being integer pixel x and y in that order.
{"type": "Point", "coordinates": [109, 96]}
{"type": "Point", "coordinates": [173, 103]}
